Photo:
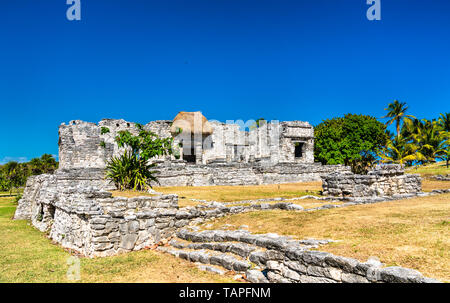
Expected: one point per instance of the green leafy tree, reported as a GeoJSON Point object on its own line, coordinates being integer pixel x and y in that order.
{"type": "Point", "coordinates": [444, 122]}
{"type": "Point", "coordinates": [132, 170]}
{"type": "Point", "coordinates": [46, 164]}
{"type": "Point", "coordinates": [353, 140]}
{"type": "Point", "coordinates": [396, 113]}
{"type": "Point", "coordinates": [15, 175]}
{"type": "Point", "coordinates": [5, 185]}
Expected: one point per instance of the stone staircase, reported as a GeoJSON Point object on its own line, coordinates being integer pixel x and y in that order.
{"type": "Point", "coordinates": [237, 252]}
{"type": "Point", "coordinates": [264, 258]}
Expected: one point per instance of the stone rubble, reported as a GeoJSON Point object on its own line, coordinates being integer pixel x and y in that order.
{"type": "Point", "coordinates": [442, 177]}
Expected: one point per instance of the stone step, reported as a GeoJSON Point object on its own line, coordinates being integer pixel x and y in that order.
{"type": "Point", "coordinates": [241, 249]}
{"type": "Point", "coordinates": [267, 241]}
{"type": "Point", "coordinates": [225, 260]}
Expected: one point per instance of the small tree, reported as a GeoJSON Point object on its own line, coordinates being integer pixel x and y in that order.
{"type": "Point", "coordinates": [15, 175]}
{"type": "Point", "coordinates": [353, 140]}
{"type": "Point", "coordinates": [132, 170]}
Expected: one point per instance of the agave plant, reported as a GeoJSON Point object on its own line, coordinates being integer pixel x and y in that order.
{"type": "Point", "coordinates": [130, 172]}
{"type": "Point", "coordinates": [133, 169]}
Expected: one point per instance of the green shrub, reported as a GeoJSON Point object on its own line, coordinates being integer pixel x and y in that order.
{"type": "Point", "coordinates": [353, 140]}
{"type": "Point", "coordinates": [104, 130]}
{"type": "Point", "coordinates": [132, 170]}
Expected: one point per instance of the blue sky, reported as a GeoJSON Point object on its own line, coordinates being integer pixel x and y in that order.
{"type": "Point", "coordinates": [144, 60]}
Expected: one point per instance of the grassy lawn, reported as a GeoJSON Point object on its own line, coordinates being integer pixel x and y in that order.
{"type": "Point", "coordinates": [412, 233]}
{"type": "Point", "coordinates": [429, 170]}
{"type": "Point", "coordinates": [239, 193]}
{"type": "Point", "coordinates": [253, 192]}
{"type": "Point", "coordinates": [26, 255]}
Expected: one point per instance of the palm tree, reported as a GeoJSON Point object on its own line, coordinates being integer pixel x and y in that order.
{"type": "Point", "coordinates": [399, 151]}
{"type": "Point", "coordinates": [396, 113]}
{"type": "Point", "coordinates": [444, 122]}
{"type": "Point", "coordinates": [430, 140]}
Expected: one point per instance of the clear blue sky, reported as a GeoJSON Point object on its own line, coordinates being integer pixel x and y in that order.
{"type": "Point", "coordinates": [144, 60]}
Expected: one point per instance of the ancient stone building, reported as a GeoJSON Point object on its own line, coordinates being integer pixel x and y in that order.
{"type": "Point", "coordinates": [196, 141]}
{"type": "Point", "coordinates": [205, 152]}
{"type": "Point", "coordinates": [76, 208]}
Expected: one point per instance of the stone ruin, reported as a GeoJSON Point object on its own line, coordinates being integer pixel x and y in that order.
{"type": "Point", "coordinates": [75, 205]}
{"type": "Point", "coordinates": [386, 180]}
{"type": "Point", "coordinates": [210, 153]}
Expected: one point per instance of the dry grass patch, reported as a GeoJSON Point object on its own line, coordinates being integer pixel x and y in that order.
{"type": "Point", "coordinates": [305, 203]}
{"type": "Point", "coordinates": [243, 192]}
{"type": "Point", "coordinates": [413, 233]}
{"type": "Point", "coordinates": [428, 185]}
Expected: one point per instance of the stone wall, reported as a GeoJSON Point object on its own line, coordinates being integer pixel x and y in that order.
{"type": "Point", "coordinates": [81, 216]}
{"type": "Point", "coordinates": [178, 173]}
{"type": "Point", "coordinates": [384, 180]}
{"type": "Point", "coordinates": [83, 145]}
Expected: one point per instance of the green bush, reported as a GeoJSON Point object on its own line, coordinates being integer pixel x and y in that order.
{"type": "Point", "coordinates": [352, 140]}
{"type": "Point", "coordinates": [132, 170]}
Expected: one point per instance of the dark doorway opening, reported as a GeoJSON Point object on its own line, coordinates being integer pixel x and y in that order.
{"type": "Point", "coordinates": [190, 156]}
{"type": "Point", "coordinates": [298, 149]}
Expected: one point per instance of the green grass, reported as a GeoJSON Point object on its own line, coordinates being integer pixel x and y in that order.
{"type": "Point", "coordinates": [428, 170]}
{"type": "Point", "coordinates": [27, 255]}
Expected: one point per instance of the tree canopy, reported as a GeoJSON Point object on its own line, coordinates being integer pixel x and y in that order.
{"type": "Point", "coordinates": [352, 140]}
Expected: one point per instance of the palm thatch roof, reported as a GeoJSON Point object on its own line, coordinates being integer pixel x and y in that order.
{"type": "Point", "coordinates": [193, 122]}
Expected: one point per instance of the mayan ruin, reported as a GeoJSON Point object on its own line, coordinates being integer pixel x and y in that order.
{"type": "Point", "coordinates": [78, 210]}
{"type": "Point", "coordinates": [225, 151]}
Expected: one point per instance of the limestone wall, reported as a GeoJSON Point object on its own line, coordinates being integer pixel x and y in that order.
{"type": "Point", "coordinates": [83, 145]}
{"type": "Point", "coordinates": [81, 216]}
{"type": "Point", "coordinates": [178, 173]}
{"type": "Point", "coordinates": [384, 180]}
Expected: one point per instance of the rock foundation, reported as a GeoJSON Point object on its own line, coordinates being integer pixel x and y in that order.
{"type": "Point", "coordinates": [384, 181]}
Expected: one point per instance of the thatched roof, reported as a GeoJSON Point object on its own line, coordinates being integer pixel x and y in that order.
{"type": "Point", "coordinates": [193, 122]}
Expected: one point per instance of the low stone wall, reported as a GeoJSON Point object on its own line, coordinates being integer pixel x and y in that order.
{"type": "Point", "coordinates": [442, 177]}
{"type": "Point", "coordinates": [80, 216]}
{"type": "Point", "coordinates": [182, 174]}
{"type": "Point", "coordinates": [384, 180]}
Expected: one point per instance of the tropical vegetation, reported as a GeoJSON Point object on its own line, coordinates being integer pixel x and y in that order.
{"type": "Point", "coordinates": [362, 141]}
{"type": "Point", "coordinates": [418, 141]}
{"type": "Point", "coordinates": [132, 169]}
{"type": "Point", "coordinates": [13, 175]}
{"type": "Point", "coordinates": [352, 140]}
